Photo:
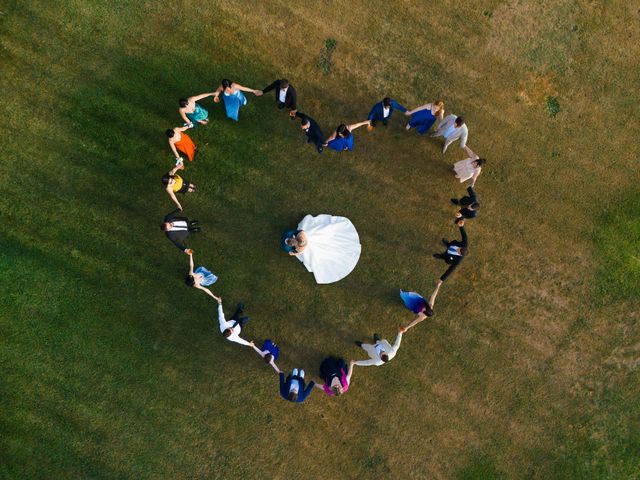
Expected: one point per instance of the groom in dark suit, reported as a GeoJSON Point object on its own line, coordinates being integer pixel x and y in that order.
{"type": "Point", "coordinates": [455, 252]}
{"type": "Point", "coordinates": [312, 130]}
{"type": "Point", "coordinates": [285, 95]}
{"type": "Point", "coordinates": [177, 228]}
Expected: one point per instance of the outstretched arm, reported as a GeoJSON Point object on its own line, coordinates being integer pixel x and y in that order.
{"type": "Point", "coordinates": [273, 364]}
{"type": "Point", "coordinates": [366, 363]}
{"type": "Point", "coordinates": [331, 137]}
{"type": "Point", "coordinates": [350, 372]}
{"type": "Point", "coordinates": [418, 318]}
{"type": "Point", "coordinates": [184, 116]}
{"type": "Point", "coordinates": [475, 176]}
{"type": "Point", "coordinates": [397, 106]}
{"type": "Point", "coordinates": [191, 263]}
{"type": "Point", "coordinates": [271, 86]}
{"type": "Point", "coordinates": [432, 298]}
{"type": "Point", "coordinates": [169, 190]}
{"type": "Point", "coordinates": [353, 126]}
{"type": "Point", "coordinates": [417, 109]}
{"type": "Point", "coordinates": [173, 147]}
{"type": "Point", "coordinates": [396, 344]}
{"type": "Point", "coordinates": [245, 89]}
{"type": "Point", "coordinates": [207, 291]}
{"type": "Point", "coordinates": [200, 97]}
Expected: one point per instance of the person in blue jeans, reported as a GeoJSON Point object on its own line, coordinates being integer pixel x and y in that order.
{"type": "Point", "coordinates": [269, 353]}
{"type": "Point", "coordinates": [293, 388]}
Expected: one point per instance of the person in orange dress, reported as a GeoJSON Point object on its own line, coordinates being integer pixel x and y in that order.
{"type": "Point", "coordinates": [180, 141]}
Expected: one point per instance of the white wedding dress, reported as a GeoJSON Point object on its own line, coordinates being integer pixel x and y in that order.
{"type": "Point", "coordinates": [333, 247]}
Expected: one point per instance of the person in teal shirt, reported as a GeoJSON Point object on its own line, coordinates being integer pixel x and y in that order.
{"type": "Point", "coordinates": [191, 111]}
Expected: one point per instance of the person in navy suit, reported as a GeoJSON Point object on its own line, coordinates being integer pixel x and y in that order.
{"type": "Point", "coordinates": [382, 111]}
{"type": "Point", "coordinates": [312, 130]}
{"type": "Point", "coordinates": [293, 388]}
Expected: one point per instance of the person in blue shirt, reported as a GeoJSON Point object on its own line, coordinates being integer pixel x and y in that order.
{"type": "Point", "coordinates": [382, 111]}
{"type": "Point", "coordinates": [293, 388]}
{"type": "Point", "coordinates": [342, 138]}
{"type": "Point", "coordinates": [269, 353]}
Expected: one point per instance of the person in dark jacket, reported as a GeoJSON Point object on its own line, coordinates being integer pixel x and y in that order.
{"type": "Point", "coordinates": [312, 130]}
{"type": "Point", "coordinates": [285, 95]}
{"type": "Point", "coordinates": [470, 204]}
{"type": "Point", "coordinates": [293, 388]}
{"type": "Point", "coordinates": [455, 252]}
{"type": "Point", "coordinates": [382, 111]}
{"type": "Point", "coordinates": [178, 228]}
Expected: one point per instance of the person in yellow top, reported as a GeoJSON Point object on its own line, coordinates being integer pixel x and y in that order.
{"type": "Point", "coordinates": [174, 183]}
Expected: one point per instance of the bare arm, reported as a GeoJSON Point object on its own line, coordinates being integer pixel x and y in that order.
{"type": "Point", "coordinates": [191, 264]}
{"type": "Point", "coordinates": [470, 152]}
{"type": "Point", "coordinates": [417, 109]}
{"type": "Point", "coordinates": [200, 97]}
{"type": "Point", "coordinates": [206, 290]}
{"type": "Point", "coordinates": [350, 372]}
{"type": "Point", "coordinates": [173, 148]}
{"type": "Point", "coordinates": [244, 89]}
{"type": "Point", "coordinates": [418, 318]}
{"type": "Point", "coordinates": [331, 137]}
{"type": "Point", "coordinates": [184, 116]}
{"type": "Point", "coordinates": [181, 129]}
{"type": "Point", "coordinates": [173, 197]}
{"type": "Point", "coordinates": [353, 126]}
{"type": "Point", "coordinates": [475, 176]}
{"type": "Point", "coordinates": [432, 298]}
{"type": "Point", "coordinates": [275, 367]}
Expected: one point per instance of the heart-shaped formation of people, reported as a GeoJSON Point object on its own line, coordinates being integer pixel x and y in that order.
{"type": "Point", "coordinates": [328, 246]}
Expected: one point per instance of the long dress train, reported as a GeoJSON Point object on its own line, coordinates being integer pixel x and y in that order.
{"type": "Point", "coordinates": [333, 248]}
{"type": "Point", "coordinates": [233, 102]}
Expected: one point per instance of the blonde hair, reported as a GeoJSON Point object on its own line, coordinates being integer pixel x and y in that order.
{"type": "Point", "coordinates": [440, 105]}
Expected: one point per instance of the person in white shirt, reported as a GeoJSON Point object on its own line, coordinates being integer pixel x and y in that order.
{"type": "Point", "coordinates": [380, 352]}
{"type": "Point", "coordinates": [231, 329]}
{"type": "Point", "coordinates": [452, 128]}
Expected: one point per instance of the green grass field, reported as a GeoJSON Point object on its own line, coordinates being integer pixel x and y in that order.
{"type": "Point", "coordinates": [113, 368]}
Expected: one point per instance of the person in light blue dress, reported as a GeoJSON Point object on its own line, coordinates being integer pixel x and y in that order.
{"type": "Point", "coordinates": [192, 112]}
{"type": "Point", "coordinates": [200, 278]}
{"type": "Point", "coordinates": [342, 138]}
{"type": "Point", "coordinates": [422, 118]}
{"type": "Point", "coordinates": [233, 97]}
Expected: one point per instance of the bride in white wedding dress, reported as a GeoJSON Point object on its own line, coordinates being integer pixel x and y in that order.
{"type": "Point", "coordinates": [328, 246]}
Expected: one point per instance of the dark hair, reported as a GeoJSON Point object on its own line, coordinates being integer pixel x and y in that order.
{"type": "Point", "coordinates": [475, 206]}
{"type": "Point", "coordinates": [457, 221]}
{"type": "Point", "coordinates": [459, 121]}
{"type": "Point", "coordinates": [166, 178]}
{"type": "Point", "coordinates": [183, 102]}
{"type": "Point", "coordinates": [342, 130]}
{"type": "Point", "coordinates": [284, 83]}
{"type": "Point", "coordinates": [480, 161]}
{"type": "Point", "coordinates": [386, 101]}
{"type": "Point", "coordinates": [226, 333]}
{"type": "Point", "coordinates": [190, 280]}
{"type": "Point", "coordinates": [170, 133]}
{"type": "Point", "coordinates": [428, 311]}
{"type": "Point", "coordinates": [163, 226]}
{"type": "Point", "coordinates": [464, 251]}
{"type": "Point", "coordinates": [293, 396]}
{"type": "Point", "coordinates": [336, 391]}
{"type": "Point", "coordinates": [226, 83]}
{"type": "Point", "coordinates": [267, 358]}
{"type": "Point", "coordinates": [384, 357]}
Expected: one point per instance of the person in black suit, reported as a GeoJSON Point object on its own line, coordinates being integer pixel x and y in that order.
{"type": "Point", "coordinates": [312, 130]}
{"type": "Point", "coordinates": [455, 252]}
{"type": "Point", "coordinates": [470, 204]}
{"type": "Point", "coordinates": [177, 229]}
{"type": "Point", "coordinates": [285, 95]}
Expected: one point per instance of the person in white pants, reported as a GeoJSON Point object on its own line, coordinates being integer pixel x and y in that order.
{"type": "Point", "coordinates": [380, 352]}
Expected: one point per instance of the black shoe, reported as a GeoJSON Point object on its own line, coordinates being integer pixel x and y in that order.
{"type": "Point", "coordinates": [240, 307]}
{"type": "Point", "coordinates": [445, 241]}
{"type": "Point", "coordinates": [438, 256]}
{"type": "Point", "coordinates": [358, 343]}
{"type": "Point", "coordinates": [385, 123]}
{"type": "Point", "coordinates": [195, 229]}
{"type": "Point", "coordinates": [376, 337]}
{"type": "Point", "coordinates": [455, 201]}
{"type": "Point", "coordinates": [195, 222]}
